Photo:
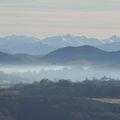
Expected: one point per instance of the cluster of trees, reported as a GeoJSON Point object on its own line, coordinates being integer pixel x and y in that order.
{"type": "Point", "coordinates": [103, 88]}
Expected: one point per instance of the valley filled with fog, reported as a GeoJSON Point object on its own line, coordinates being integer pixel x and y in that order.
{"type": "Point", "coordinates": [28, 74]}
{"type": "Point", "coordinates": [24, 59]}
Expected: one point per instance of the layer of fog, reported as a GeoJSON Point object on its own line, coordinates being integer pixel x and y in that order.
{"type": "Point", "coordinates": [36, 73]}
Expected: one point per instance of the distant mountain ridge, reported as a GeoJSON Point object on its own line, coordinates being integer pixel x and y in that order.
{"type": "Point", "coordinates": [30, 45]}
{"type": "Point", "coordinates": [24, 44]}
{"type": "Point", "coordinates": [113, 44]}
{"type": "Point", "coordinates": [71, 40]}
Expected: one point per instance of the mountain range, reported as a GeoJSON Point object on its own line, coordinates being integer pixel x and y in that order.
{"type": "Point", "coordinates": [82, 55]}
{"type": "Point", "coordinates": [30, 45]}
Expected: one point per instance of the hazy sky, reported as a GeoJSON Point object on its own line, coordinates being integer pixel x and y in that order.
{"type": "Point", "coordinates": [41, 18]}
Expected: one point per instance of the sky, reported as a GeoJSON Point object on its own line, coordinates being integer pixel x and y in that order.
{"type": "Point", "coordinates": [42, 18]}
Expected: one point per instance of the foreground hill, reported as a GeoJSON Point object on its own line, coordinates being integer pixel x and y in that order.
{"type": "Point", "coordinates": [55, 108]}
{"type": "Point", "coordinates": [62, 100]}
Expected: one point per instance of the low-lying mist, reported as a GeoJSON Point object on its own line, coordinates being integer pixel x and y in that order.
{"type": "Point", "coordinates": [54, 72]}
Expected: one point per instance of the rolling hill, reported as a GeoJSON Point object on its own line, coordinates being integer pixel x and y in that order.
{"type": "Point", "coordinates": [82, 54]}
{"type": "Point", "coordinates": [18, 59]}
{"type": "Point", "coordinates": [66, 56]}
{"type": "Point", "coordinates": [9, 59]}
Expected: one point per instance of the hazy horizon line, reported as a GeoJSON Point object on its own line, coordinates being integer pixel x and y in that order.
{"type": "Point", "coordinates": [57, 35]}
